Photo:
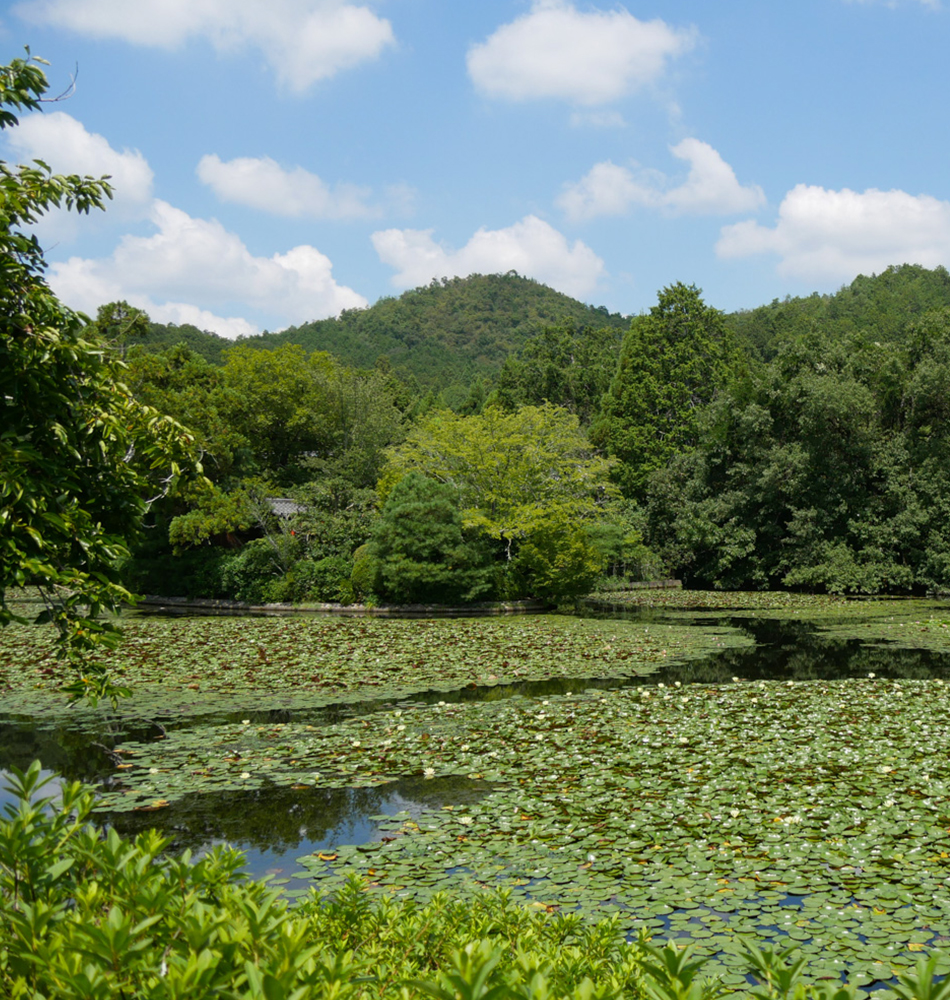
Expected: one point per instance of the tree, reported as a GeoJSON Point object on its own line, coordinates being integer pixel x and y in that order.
{"type": "Point", "coordinates": [80, 458]}
{"type": "Point", "coordinates": [421, 552]}
{"type": "Point", "coordinates": [278, 402]}
{"type": "Point", "coordinates": [672, 362]}
{"type": "Point", "coordinates": [829, 469]}
{"type": "Point", "coordinates": [527, 478]}
{"type": "Point", "coordinates": [564, 366]}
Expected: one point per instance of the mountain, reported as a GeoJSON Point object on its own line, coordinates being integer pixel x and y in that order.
{"type": "Point", "coordinates": [451, 331]}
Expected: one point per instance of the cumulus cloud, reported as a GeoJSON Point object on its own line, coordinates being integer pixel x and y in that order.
{"type": "Point", "coordinates": [834, 235]}
{"type": "Point", "coordinates": [263, 184]}
{"type": "Point", "coordinates": [531, 247]}
{"type": "Point", "coordinates": [64, 143]}
{"type": "Point", "coordinates": [303, 40]}
{"type": "Point", "coordinates": [192, 260]}
{"type": "Point", "coordinates": [586, 57]}
{"type": "Point", "coordinates": [711, 188]}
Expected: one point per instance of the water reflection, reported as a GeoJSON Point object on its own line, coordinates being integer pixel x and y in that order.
{"type": "Point", "coordinates": [280, 819]}
{"type": "Point", "coordinates": [266, 823]}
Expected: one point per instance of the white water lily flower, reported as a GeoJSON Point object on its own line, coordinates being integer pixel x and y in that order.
{"type": "Point", "coordinates": [245, 722]}
{"type": "Point", "coordinates": [463, 747]}
{"type": "Point", "coordinates": [245, 774]}
{"type": "Point", "coordinates": [400, 728]}
{"type": "Point", "coordinates": [153, 770]}
{"type": "Point", "coordinates": [428, 772]}
{"type": "Point", "coordinates": [356, 743]}
{"type": "Point", "coordinates": [466, 820]}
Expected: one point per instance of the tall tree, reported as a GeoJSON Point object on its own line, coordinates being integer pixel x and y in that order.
{"type": "Point", "coordinates": [563, 365]}
{"type": "Point", "coordinates": [672, 362]}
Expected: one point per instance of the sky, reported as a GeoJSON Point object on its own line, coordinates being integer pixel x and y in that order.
{"type": "Point", "coordinates": [277, 162]}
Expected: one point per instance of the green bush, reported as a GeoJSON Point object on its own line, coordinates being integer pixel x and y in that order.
{"type": "Point", "coordinates": [194, 573]}
{"type": "Point", "coordinates": [255, 572]}
{"type": "Point", "coordinates": [326, 579]}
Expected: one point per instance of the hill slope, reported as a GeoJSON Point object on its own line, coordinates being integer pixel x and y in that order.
{"type": "Point", "coordinates": [881, 307]}
{"type": "Point", "coordinates": [450, 331]}
{"type": "Point", "coordinates": [444, 334]}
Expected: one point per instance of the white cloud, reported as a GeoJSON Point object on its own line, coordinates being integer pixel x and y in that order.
{"type": "Point", "coordinates": [303, 40]}
{"type": "Point", "coordinates": [263, 184]}
{"type": "Point", "coordinates": [588, 58]}
{"type": "Point", "coordinates": [711, 188]}
{"type": "Point", "coordinates": [531, 247]}
{"type": "Point", "coordinates": [195, 260]}
{"type": "Point", "coordinates": [63, 142]}
{"type": "Point", "coordinates": [834, 235]}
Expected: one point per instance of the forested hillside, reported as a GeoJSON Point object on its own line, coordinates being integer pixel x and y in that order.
{"type": "Point", "coordinates": [449, 332]}
{"type": "Point", "coordinates": [879, 307]}
{"type": "Point", "coordinates": [446, 334]}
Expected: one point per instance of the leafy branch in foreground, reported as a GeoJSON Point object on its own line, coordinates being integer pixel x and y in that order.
{"type": "Point", "coordinates": [80, 459]}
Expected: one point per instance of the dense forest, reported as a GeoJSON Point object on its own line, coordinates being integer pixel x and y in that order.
{"type": "Point", "coordinates": [489, 438]}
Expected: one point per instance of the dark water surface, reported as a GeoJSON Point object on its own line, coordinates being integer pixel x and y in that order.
{"type": "Point", "coordinates": [275, 825]}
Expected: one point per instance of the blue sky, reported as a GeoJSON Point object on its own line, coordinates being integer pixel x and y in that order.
{"type": "Point", "coordinates": [276, 162]}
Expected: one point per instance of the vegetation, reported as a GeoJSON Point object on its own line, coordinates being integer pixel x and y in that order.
{"type": "Point", "coordinates": [80, 458]}
{"type": "Point", "coordinates": [826, 470]}
{"type": "Point", "coordinates": [673, 362]}
{"type": "Point", "coordinates": [113, 918]}
{"type": "Point", "coordinates": [448, 333]}
{"type": "Point", "coordinates": [879, 307]}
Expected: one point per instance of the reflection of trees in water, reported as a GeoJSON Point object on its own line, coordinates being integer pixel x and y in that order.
{"type": "Point", "coordinates": [282, 818]}
{"type": "Point", "coordinates": [78, 752]}
{"type": "Point", "coordinates": [793, 651]}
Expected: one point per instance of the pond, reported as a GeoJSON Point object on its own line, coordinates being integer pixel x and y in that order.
{"type": "Point", "coordinates": [703, 773]}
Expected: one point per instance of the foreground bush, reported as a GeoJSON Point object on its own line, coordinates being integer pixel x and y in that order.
{"type": "Point", "coordinates": [87, 915]}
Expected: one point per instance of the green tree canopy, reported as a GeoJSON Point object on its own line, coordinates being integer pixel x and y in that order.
{"type": "Point", "coordinates": [564, 365]}
{"type": "Point", "coordinates": [672, 362]}
{"type": "Point", "coordinates": [827, 470]}
{"type": "Point", "coordinates": [527, 479]}
{"type": "Point", "coordinates": [421, 551]}
{"type": "Point", "coordinates": [511, 471]}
